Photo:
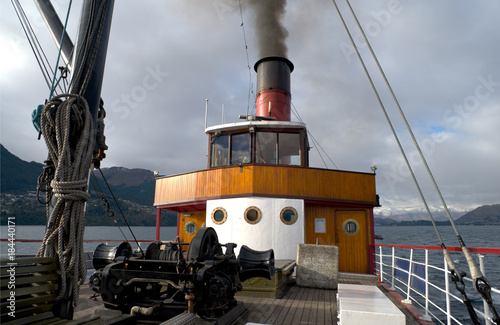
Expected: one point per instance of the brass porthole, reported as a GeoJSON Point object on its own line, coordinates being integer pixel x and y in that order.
{"type": "Point", "coordinates": [219, 216]}
{"type": "Point", "coordinates": [190, 228]}
{"type": "Point", "coordinates": [350, 227]}
{"type": "Point", "coordinates": [288, 215]}
{"type": "Point", "coordinates": [252, 215]}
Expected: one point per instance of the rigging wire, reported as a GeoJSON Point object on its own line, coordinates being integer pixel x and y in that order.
{"type": "Point", "coordinates": [120, 209]}
{"type": "Point", "coordinates": [60, 51]}
{"type": "Point", "coordinates": [315, 142]}
{"type": "Point", "coordinates": [37, 49]}
{"type": "Point", "coordinates": [480, 283]}
{"type": "Point", "coordinates": [250, 85]}
{"type": "Point", "coordinates": [100, 194]}
{"type": "Point", "coordinates": [388, 121]}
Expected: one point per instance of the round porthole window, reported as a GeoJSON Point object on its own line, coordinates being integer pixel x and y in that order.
{"type": "Point", "coordinates": [288, 215]}
{"type": "Point", "coordinates": [190, 227]}
{"type": "Point", "coordinates": [219, 216]}
{"type": "Point", "coordinates": [350, 227]}
{"type": "Point", "coordinates": [252, 215]}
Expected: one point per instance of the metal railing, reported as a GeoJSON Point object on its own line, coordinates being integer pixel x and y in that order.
{"type": "Point", "coordinates": [412, 271]}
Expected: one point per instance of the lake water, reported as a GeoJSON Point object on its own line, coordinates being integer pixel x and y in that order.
{"type": "Point", "coordinates": [473, 236]}
{"type": "Point", "coordinates": [91, 233]}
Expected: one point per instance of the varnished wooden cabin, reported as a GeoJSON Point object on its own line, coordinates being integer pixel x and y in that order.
{"type": "Point", "coordinates": [259, 191]}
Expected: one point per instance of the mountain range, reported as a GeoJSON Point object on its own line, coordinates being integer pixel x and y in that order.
{"type": "Point", "coordinates": [134, 190]}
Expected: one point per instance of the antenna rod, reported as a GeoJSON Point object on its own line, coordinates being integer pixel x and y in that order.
{"type": "Point", "coordinates": [206, 112]}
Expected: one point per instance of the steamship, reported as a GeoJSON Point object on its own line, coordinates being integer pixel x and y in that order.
{"type": "Point", "coordinates": [257, 190]}
{"type": "Point", "coordinates": [258, 187]}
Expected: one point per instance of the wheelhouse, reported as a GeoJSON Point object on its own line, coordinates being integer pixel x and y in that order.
{"type": "Point", "coordinates": [258, 142]}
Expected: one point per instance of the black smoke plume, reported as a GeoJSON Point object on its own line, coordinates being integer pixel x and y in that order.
{"type": "Point", "coordinates": [271, 33]}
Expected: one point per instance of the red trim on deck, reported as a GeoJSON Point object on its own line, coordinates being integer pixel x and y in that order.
{"type": "Point", "coordinates": [85, 241]}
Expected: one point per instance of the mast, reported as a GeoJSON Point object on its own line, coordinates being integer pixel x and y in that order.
{"type": "Point", "coordinates": [92, 45]}
{"type": "Point", "coordinates": [77, 117]}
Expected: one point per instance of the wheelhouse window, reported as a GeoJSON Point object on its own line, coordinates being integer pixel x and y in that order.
{"type": "Point", "coordinates": [220, 150]}
{"type": "Point", "coordinates": [241, 149]}
{"type": "Point", "coordinates": [289, 149]}
{"type": "Point", "coordinates": [258, 147]}
{"type": "Point", "coordinates": [266, 148]}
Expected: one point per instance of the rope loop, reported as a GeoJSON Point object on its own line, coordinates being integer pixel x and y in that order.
{"type": "Point", "coordinates": [72, 191]}
{"type": "Point", "coordinates": [66, 124]}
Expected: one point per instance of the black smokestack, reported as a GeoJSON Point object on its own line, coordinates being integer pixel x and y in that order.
{"type": "Point", "coordinates": [271, 34]}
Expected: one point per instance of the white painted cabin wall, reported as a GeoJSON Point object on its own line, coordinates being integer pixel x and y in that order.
{"type": "Point", "coordinates": [269, 232]}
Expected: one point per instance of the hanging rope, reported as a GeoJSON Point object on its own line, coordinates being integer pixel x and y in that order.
{"type": "Point", "coordinates": [66, 127]}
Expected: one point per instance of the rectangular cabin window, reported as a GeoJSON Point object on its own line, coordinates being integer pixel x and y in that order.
{"type": "Point", "coordinates": [289, 149]}
{"type": "Point", "coordinates": [241, 149]}
{"type": "Point", "coordinates": [266, 148]}
{"type": "Point", "coordinates": [220, 151]}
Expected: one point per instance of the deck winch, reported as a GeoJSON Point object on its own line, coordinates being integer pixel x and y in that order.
{"type": "Point", "coordinates": [166, 280]}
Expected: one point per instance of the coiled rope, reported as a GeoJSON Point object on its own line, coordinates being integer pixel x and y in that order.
{"type": "Point", "coordinates": [66, 125]}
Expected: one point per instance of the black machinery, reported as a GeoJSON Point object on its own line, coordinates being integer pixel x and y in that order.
{"type": "Point", "coordinates": [165, 281]}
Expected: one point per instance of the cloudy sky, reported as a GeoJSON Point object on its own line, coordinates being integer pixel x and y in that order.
{"type": "Point", "coordinates": [166, 57]}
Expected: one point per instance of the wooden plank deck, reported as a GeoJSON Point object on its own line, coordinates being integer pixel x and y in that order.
{"type": "Point", "coordinates": [296, 305]}
{"type": "Point", "coordinates": [302, 306]}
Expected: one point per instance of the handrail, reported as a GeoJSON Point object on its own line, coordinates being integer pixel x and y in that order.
{"type": "Point", "coordinates": [476, 250]}
{"type": "Point", "coordinates": [387, 270]}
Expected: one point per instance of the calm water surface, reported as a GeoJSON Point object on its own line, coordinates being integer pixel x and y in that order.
{"type": "Point", "coordinates": [473, 236]}
{"type": "Point", "coordinates": [91, 233]}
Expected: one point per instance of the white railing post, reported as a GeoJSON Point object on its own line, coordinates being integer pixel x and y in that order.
{"type": "Point", "coordinates": [381, 265]}
{"type": "Point", "coordinates": [426, 317]}
{"type": "Point", "coordinates": [485, 304]}
{"type": "Point", "coordinates": [447, 287]}
{"type": "Point", "coordinates": [408, 300]}
{"type": "Point", "coordinates": [393, 269]}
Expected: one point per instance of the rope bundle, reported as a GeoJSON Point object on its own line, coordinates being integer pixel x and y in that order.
{"type": "Point", "coordinates": [66, 125]}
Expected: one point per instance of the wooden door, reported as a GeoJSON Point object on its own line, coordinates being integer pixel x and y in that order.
{"type": "Point", "coordinates": [189, 223]}
{"type": "Point", "coordinates": [351, 230]}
